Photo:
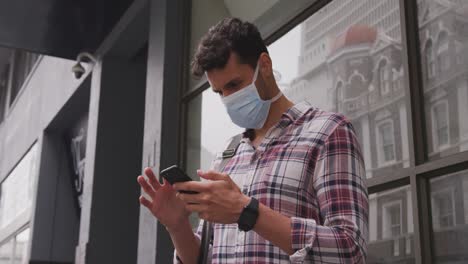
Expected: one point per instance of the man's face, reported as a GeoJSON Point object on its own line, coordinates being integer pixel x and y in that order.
{"type": "Point", "coordinates": [233, 77]}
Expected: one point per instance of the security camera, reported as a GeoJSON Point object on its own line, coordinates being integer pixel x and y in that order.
{"type": "Point", "coordinates": [78, 69]}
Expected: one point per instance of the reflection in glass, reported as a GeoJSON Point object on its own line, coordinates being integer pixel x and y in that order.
{"type": "Point", "coordinates": [347, 58]}
{"type": "Point", "coordinates": [208, 131]}
{"type": "Point", "coordinates": [444, 46]}
{"type": "Point", "coordinates": [16, 190]}
{"type": "Point", "coordinates": [6, 252]}
{"type": "Point", "coordinates": [21, 248]}
{"type": "Point", "coordinates": [449, 208]}
{"type": "Point", "coordinates": [391, 227]}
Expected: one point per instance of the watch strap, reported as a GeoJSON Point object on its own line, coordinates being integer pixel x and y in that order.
{"type": "Point", "coordinates": [249, 215]}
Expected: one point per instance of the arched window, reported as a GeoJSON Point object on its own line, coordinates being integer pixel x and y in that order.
{"type": "Point", "coordinates": [384, 77]}
{"type": "Point", "coordinates": [430, 61]}
{"type": "Point", "coordinates": [440, 124]}
{"type": "Point", "coordinates": [386, 142]}
{"type": "Point", "coordinates": [356, 86]}
{"type": "Point", "coordinates": [443, 56]}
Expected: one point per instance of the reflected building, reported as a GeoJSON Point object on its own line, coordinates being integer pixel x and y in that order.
{"type": "Point", "coordinates": [352, 62]}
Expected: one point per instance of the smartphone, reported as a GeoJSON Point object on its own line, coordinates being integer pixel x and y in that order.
{"type": "Point", "coordinates": [174, 174]}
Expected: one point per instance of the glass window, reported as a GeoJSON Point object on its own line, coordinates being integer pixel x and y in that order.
{"type": "Point", "coordinates": [23, 64]}
{"type": "Point", "coordinates": [267, 15]}
{"type": "Point", "coordinates": [391, 231]}
{"type": "Point", "coordinates": [443, 34]}
{"type": "Point", "coordinates": [333, 66]}
{"type": "Point", "coordinates": [209, 129]}
{"type": "Point", "coordinates": [21, 247]}
{"type": "Point", "coordinates": [16, 191]}
{"type": "Point", "coordinates": [6, 252]}
{"type": "Point", "coordinates": [449, 205]}
{"type": "Point", "coordinates": [4, 78]}
{"type": "Point", "coordinates": [14, 251]}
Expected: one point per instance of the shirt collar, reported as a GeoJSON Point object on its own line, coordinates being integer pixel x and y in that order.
{"type": "Point", "coordinates": [296, 111]}
{"type": "Point", "coordinates": [292, 114]}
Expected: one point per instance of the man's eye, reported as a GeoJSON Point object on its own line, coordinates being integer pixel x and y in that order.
{"type": "Point", "coordinates": [232, 86]}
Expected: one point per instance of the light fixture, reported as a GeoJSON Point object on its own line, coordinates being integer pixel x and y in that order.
{"type": "Point", "coordinates": [78, 69]}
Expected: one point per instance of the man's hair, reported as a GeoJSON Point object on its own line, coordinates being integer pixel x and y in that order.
{"type": "Point", "coordinates": [229, 35]}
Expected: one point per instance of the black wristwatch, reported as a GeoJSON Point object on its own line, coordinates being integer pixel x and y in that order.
{"type": "Point", "coordinates": [249, 215]}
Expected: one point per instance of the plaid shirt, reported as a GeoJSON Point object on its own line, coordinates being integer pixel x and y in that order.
{"type": "Point", "coordinates": [309, 167]}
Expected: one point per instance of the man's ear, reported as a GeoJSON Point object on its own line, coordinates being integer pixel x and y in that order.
{"type": "Point", "coordinates": [266, 65]}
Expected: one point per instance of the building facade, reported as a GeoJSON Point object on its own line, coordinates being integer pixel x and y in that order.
{"type": "Point", "coordinates": [71, 148]}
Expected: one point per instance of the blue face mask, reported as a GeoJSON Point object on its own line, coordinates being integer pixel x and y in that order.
{"type": "Point", "coordinates": [246, 108]}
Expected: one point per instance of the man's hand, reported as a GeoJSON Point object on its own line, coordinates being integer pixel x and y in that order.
{"type": "Point", "coordinates": [163, 203]}
{"type": "Point", "coordinates": [218, 200]}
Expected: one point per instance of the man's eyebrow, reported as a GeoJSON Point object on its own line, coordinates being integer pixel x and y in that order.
{"type": "Point", "coordinates": [228, 85]}
{"type": "Point", "coordinates": [232, 82]}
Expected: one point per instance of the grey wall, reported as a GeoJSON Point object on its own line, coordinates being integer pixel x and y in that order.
{"type": "Point", "coordinates": [54, 220]}
{"type": "Point", "coordinates": [50, 86]}
{"type": "Point", "coordinates": [109, 217]}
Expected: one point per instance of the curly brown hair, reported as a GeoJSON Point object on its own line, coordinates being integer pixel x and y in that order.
{"type": "Point", "coordinates": [229, 35]}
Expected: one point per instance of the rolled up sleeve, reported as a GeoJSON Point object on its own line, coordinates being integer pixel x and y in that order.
{"type": "Point", "coordinates": [341, 193]}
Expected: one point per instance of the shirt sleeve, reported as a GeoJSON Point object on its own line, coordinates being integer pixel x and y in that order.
{"type": "Point", "coordinates": [341, 193]}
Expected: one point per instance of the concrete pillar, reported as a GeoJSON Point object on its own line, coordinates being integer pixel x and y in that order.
{"type": "Point", "coordinates": [404, 135]}
{"type": "Point", "coordinates": [109, 215]}
{"type": "Point", "coordinates": [165, 84]}
{"type": "Point", "coordinates": [366, 145]}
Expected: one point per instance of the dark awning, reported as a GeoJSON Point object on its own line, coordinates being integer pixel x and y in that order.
{"type": "Point", "coordinates": [61, 28]}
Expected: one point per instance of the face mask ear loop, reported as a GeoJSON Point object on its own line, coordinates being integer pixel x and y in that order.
{"type": "Point", "coordinates": [278, 96]}
{"type": "Point", "coordinates": [255, 74]}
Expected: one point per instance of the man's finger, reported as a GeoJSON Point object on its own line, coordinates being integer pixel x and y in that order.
{"type": "Point", "coordinates": [166, 183]}
{"type": "Point", "coordinates": [197, 198]}
{"type": "Point", "coordinates": [152, 179]}
{"type": "Point", "coordinates": [145, 202]}
{"type": "Point", "coordinates": [194, 186]}
{"type": "Point", "coordinates": [145, 185]}
{"type": "Point", "coordinates": [212, 175]}
{"type": "Point", "coordinates": [195, 207]}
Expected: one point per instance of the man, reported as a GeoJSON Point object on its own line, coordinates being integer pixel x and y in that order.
{"type": "Point", "coordinates": [299, 169]}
